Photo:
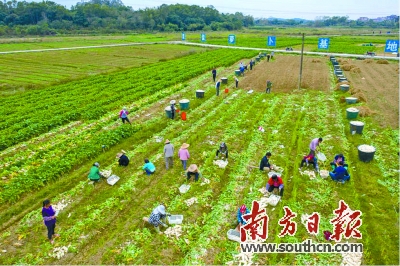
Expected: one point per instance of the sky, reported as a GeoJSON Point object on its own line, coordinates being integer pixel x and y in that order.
{"type": "Point", "coordinates": [307, 9]}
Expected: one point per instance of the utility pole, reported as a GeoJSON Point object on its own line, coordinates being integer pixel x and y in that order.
{"type": "Point", "coordinates": [301, 62]}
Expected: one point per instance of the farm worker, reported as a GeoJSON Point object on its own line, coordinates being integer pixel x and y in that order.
{"type": "Point", "coordinates": [172, 102]}
{"type": "Point", "coordinates": [123, 160]}
{"type": "Point", "coordinates": [309, 159]}
{"type": "Point", "coordinates": [217, 85]}
{"type": "Point", "coordinates": [275, 182]}
{"type": "Point", "coordinates": [251, 64]}
{"type": "Point", "coordinates": [265, 165]}
{"type": "Point", "coordinates": [269, 86]}
{"type": "Point", "coordinates": [340, 174]}
{"type": "Point", "coordinates": [158, 217]}
{"type": "Point", "coordinates": [123, 114]}
{"type": "Point", "coordinates": [272, 55]}
{"type": "Point", "coordinates": [49, 219]}
{"type": "Point", "coordinates": [148, 167]}
{"type": "Point", "coordinates": [94, 174]}
{"type": "Point", "coordinates": [236, 82]}
{"type": "Point", "coordinates": [193, 170]}
{"type": "Point", "coordinates": [241, 211]}
{"type": "Point", "coordinates": [214, 73]}
{"type": "Point", "coordinates": [338, 158]}
{"type": "Point", "coordinates": [168, 154]}
{"type": "Point", "coordinates": [241, 65]}
{"type": "Point", "coordinates": [241, 70]}
{"type": "Point", "coordinates": [223, 149]}
{"type": "Point", "coordinates": [184, 155]}
{"type": "Point", "coordinates": [314, 144]}
{"type": "Point", "coordinates": [268, 57]}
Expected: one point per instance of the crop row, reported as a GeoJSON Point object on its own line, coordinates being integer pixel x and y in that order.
{"type": "Point", "coordinates": [39, 111]}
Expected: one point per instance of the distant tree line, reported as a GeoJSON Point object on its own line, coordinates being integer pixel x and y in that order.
{"type": "Point", "coordinates": [326, 21]}
{"type": "Point", "coordinates": [108, 16]}
{"type": "Point", "coordinates": [47, 17]}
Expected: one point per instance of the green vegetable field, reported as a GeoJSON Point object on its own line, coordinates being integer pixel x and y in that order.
{"type": "Point", "coordinates": [51, 135]}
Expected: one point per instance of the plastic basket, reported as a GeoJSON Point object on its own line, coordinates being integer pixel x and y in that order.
{"type": "Point", "coordinates": [233, 235]}
{"type": "Point", "coordinates": [320, 156]}
{"type": "Point", "coordinates": [175, 219]}
{"type": "Point", "coordinates": [274, 200]}
{"type": "Point", "coordinates": [184, 188]}
{"type": "Point", "coordinates": [112, 180]}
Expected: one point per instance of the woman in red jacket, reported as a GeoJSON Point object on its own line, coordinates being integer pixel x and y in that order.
{"type": "Point", "coordinates": [275, 182]}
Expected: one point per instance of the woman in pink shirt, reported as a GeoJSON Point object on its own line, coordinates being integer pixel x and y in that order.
{"type": "Point", "coordinates": [183, 154]}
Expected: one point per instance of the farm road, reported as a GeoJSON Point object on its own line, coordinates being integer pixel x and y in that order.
{"type": "Point", "coordinates": [198, 44]}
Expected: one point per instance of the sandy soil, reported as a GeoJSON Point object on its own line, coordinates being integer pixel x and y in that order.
{"type": "Point", "coordinates": [283, 71]}
{"type": "Point", "coordinates": [380, 85]}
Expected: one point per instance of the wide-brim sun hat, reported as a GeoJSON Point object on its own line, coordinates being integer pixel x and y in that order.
{"type": "Point", "coordinates": [172, 102]}
{"type": "Point", "coordinates": [166, 141]}
{"type": "Point", "coordinates": [161, 209]}
{"type": "Point", "coordinates": [124, 108]}
{"type": "Point", "coordinates": [192, 168]}
{"type": "Point", "coordinates": [97, 164]}
{"type": "Point", "coordinates": [119, 155]}
{"type": "Point", "coordinates": [123, 152]}
{"type": "Point", "coordinates": [185, 146]}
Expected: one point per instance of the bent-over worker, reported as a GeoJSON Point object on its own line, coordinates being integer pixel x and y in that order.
{"type": "Point", "coordinates": [340, 174]}
{"type": "Point", "coordinates": [223, 149]}
{"type": "Point", "coordinates": [158, 217]}
{"type": "Point", "coordinates": [123, 160]}
{"type": "Point", "coordinates": [193, 170]}
{"type": "Point", "coordinates": [240, 212]}
{"type": "Point", "coordinates": [149, 167]}
{"type": "Point", "coordinates": [94, 174]}
{"type": "Point", "coordinates": [265, 165]}
{"type": "Point", "coordinates": [275, 182]}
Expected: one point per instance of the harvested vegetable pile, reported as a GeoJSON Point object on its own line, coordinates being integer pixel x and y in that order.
{"type": "Point", "coordinates": [366, 148]}
{"type": "Point", "coordinates": [351, 259]}
{"type": "Point", "coordinates": [221, 163]}
{"type": "Point", "coordinates": [191, 201]}
{"type": "Point", "coordinates": [175, 231]}
{"type": "Point", "coordinates": [59, 252]}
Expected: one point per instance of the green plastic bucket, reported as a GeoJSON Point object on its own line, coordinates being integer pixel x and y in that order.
{"type": "Point", "coordinates": [351, 100]}
{"type": "Point", "coordinates": [344, 87]}
{"type": "Point", "coordinates": [342, 79]}
{"type": "Point", "coordinates": [356, 127]}
{"type": "Point", "coordinates": [257, 58]}
{"type": "Point", "coordinates": [352, 113]}
{"type": "Point", "coordinates": [184, 104]}
{"type": "Point", "coordinates": [237, 72]}
{"type": "Point", "coordinates": [199, 94]}
{"type": "Point", "coordinates": [168, 111]}
{"type": "Point", "coordinates": [338, 72]}
{"type": "Point", "coordinates": [225, 80]}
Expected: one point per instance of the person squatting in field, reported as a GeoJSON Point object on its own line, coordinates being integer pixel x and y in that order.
{"type": "Point", "coordinates": [49, 219]}
{"type": "Point", "coordinates": [338, 158]}
{"type": "Point", "coordinates": [123, 160]}
{"type": "Point", "coordinates": [309, 159]}
{"type": "Point", "coordinates": [340, 174]}
{"type": "Point", "coordinates": [223, 149]}
{"type": "Point", "coordinates": [123, 114]}
{"type": "Point", "coordinates": [149, 167]}
{"type": "Point", "coordinates": [265, 165]}
{"type": "Point", "coordinates": [240, 212]}
{"type": "Point", "coordinates": [275, 182]}
{"type": "Point", "coordinates": [158, 217]}
{"type": "Point", "coordinates": [193, 170]}
{"type": "Point", "coordinates": [94, 174]}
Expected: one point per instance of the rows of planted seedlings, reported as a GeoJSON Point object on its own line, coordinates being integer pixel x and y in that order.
{"type": "Point", "coordinates": [39, 111]}
{"type": "Point", "coordinates": [173, 128]}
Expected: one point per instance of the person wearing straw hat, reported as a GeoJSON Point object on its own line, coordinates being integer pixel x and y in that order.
{"type": "Point", "coordinates": [184, 155]}
{"type": "Point", "coordinates": [241, 211]}
{"type": "Point", "coordinates": [149, 167]}
{"type": "Point", "coordinates": [193, 170]}
{"type": "Point", "coordinates": [123, 114]}
{"type": "Point", "coordinates": [223, 149]}
{"type": "Point", "coordinates": [158, 217]}
{"type": "Point", "coordinates": [94, 174]}
{"type": "Point", "coordinates": [168, 154]}
{"type": "Point", "coordinates": [172, 102]}
{"type": "Point", "coordinates": [123, 160]}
